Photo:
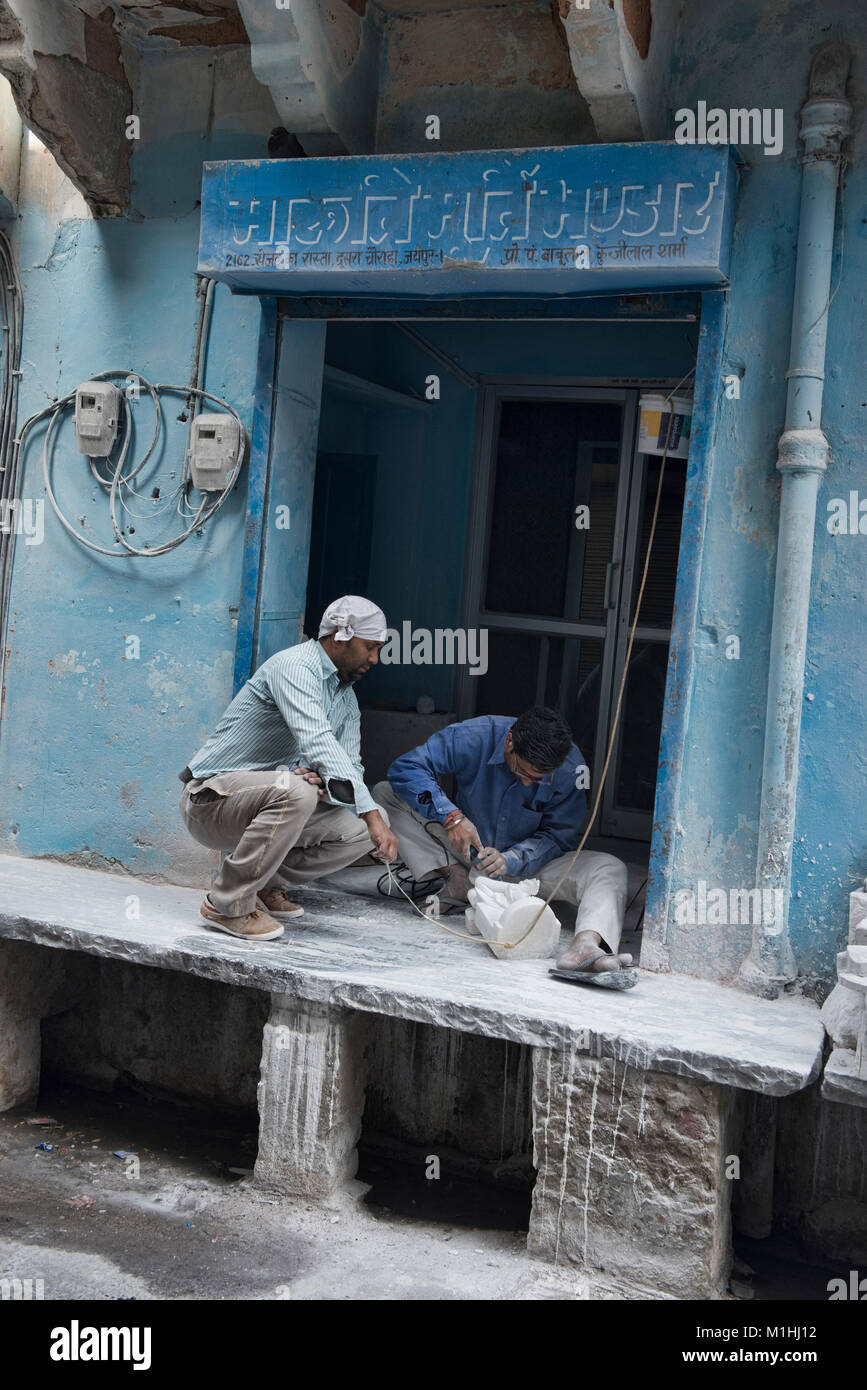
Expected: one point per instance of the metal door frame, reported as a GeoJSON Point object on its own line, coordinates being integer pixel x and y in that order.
{"type": "Point", "coordinates": [492, 393]}
{"type": "Point", "coordinates": [614, 631]}
{"type": "Point", "coordinates": [705, 308]}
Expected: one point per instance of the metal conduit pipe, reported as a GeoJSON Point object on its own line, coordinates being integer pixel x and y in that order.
{"type": "Point", "coordinates": [802, 457]}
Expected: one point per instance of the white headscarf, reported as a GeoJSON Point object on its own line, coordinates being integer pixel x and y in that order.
{"type": "Point", "coordinates": [353, 616]}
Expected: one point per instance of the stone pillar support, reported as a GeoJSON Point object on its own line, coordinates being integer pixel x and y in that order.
{"type": "Point", "coordinates": [311, 1096]}
{"type": "Point", "coordinates": [632, 1182]}
{"type": "Point", "coordinates": [30, 977]}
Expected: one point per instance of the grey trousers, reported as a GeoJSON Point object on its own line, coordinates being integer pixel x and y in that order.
{"type": "Point", "coordinates": [277, 829]}
{"type": "Point", "coordinates": [595, 885]}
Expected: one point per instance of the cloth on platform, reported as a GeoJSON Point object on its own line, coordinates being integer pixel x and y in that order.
{"type": "Point", "coordinates": [596, 884]}
{"type": "Point", "coordinates": [353, 616]}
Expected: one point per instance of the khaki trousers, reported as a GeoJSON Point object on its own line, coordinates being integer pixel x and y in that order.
{"type": "Point", "coordinates": [277, 829]}
{"type": "Point", "coordinates": [595, 885]}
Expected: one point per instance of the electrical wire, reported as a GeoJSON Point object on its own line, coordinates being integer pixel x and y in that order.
{"type": "Point", "coordinates": [428, 917]}
{"type": "Point", "coordinates": [12, 320]}
{"type": "Point", "coordinates": [120, 479]}
{"type": "Point", "coordinates": [398, 875]}
{"type": "Point", "coordinates": [510, 945]}
{"type": "Point", "coordinates": [622, 689]}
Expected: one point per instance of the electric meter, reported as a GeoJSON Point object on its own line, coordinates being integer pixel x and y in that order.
{"type": "Point", "coordinates": [97, 410]}
{"type": "Point", "coordinates": [216, 444]}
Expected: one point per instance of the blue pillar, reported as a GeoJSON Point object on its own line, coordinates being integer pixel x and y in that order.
{"type": "Point", "coordinates": [281, 481]}
{"type": "Point", "coordinates": [802, 457]}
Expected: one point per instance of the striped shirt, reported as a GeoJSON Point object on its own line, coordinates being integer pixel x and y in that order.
{"type": "Point", "coordinates": [294, 712]}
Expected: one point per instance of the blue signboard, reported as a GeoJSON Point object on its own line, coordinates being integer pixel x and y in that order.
{"type": "Point", "coordinates": [581, 219]}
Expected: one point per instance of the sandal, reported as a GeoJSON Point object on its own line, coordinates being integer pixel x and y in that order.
{"type": "Point", "coordinates": [624, 978]}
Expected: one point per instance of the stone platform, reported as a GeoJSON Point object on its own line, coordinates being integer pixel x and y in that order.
{"type": "Point", "coordinates": [634, 1094]}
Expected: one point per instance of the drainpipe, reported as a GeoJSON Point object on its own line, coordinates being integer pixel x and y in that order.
{"type": "Point", "coordinates": [802, 457]}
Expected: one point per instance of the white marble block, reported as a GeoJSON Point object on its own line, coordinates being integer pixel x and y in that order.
{"type": "Point", "coordinates": [502, 912]}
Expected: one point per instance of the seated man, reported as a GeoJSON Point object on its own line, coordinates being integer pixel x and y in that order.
{"type": "Point", "coordinates": [280, 782]}
{"type": "Point", "coordinates": [517, 803]}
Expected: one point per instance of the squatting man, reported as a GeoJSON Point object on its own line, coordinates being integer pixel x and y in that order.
{"type": "Point", "coordinates": [517, 814]}
{"type": "Point", "coordinates": [280, 783]}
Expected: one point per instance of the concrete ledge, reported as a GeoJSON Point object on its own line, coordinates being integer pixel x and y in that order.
{"type": "Point", "coordinates": [355, 953]}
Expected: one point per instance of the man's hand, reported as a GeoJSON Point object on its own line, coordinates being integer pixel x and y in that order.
{"type": "Point", "coordinates": [491, 863]}
{"type": "Point", "coordinates": [384, 842]}
{"type": "Point", "coordinates": [461, 836]}
{"type": "Point", "coordinates": [314, 779]}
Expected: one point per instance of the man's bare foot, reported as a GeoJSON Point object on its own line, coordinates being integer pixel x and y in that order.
{"type": "Point", "coordinates": [279, 904]}
{"type": "Point", "coordinates": [581, 954]}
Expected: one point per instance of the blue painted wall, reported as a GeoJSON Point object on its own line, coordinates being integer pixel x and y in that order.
{"type": "Point", "coordinates": [722, 58]}
{"type": "Point", "coordinates": [91, 742]}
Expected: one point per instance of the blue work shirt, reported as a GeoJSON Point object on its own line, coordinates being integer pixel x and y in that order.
{"type": "Point", "coordinates": [528, 825]}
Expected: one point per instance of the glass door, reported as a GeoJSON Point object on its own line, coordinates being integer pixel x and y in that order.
{"type": "Point", "coordinates": [560, 515]}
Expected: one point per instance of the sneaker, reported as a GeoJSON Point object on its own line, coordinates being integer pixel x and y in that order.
{"type": "Point", "coordinates": [279, 904]}
{"type": "Point", "coordinates": [254, 926]}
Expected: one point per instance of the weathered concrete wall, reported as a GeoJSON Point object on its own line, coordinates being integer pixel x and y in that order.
{"type": "Point", "coordinates": [10, 151]}
{"type": "Point", "coordinates": [320, 61]}
{"type": "Point", "coordinates": [497, 76]}
{"type": "Point", "coordinates": [820, 1190]}
{"type": "Point", "coordinates": [721, 57]}
{"type": "Point", "coordinates": [91, 742]}
{"type": "Point", "coordinates": [30, 987]}
{"type": "Point", "coordinates": [648, 37]}
{"type": "Point", "coordinates": [161, 1031]}
{"type": "Point", "coordinates": [67, 70]}
{"type": "Point", "coordinates": [460, 1097]}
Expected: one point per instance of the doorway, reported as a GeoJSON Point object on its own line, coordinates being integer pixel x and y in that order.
{"type": "Point", "coordinates": [557, 542]}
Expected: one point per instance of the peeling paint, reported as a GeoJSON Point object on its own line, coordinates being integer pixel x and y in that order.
{"type": "Point", "coordinates": [66, 664]}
